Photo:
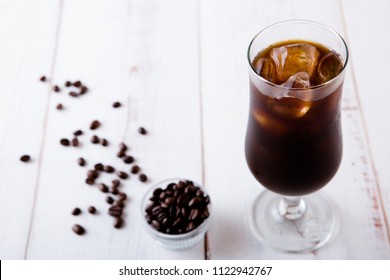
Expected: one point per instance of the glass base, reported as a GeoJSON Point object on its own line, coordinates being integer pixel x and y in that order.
{"type": "Point", "coordinates": [311, 230]}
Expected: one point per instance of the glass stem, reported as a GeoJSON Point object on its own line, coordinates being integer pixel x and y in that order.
{"type": "Point", "coordinates": [292, 208]}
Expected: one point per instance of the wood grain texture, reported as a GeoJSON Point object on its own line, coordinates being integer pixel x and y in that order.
{"type": "Point", "coordinates": [28, 32]}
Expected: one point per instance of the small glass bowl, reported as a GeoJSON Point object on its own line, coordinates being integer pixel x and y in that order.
{"type": "Point", "coordinates": [175, 241]}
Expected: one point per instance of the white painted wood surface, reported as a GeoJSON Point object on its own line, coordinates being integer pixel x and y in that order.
{"type": "Point", "coordinates": [180, 70]}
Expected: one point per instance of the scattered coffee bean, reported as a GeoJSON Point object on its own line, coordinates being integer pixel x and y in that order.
{"type": "Point", "coordinates": [104, 142]}
{"type": "Point", "coordinates": [68, 83]}
{"type": "Point", "coordinates": [56, 88]}
{"type": "Point", "coordinates": [25, 158]}
{"type": "Point", "coordinates": [77, 84]}
{"type": "Point", "coordinates": [99, 167]}
{"type": "Point", "coordinates": [64, 142]}
{"type": "Point", "coordinates": [108, 169]}
{"type": "Point", "coordinates": [123, 146]}
{"type": "Point", "coordinates": [59, 106]}
{"type": "Point", "coordinates": [115, 211]}
{"type": "Point", "coordinates": [118, 222]}
{"type": "Point", "coordinates": [90, 181]}
{"type": "Point", "coordinates": [116, 104]}
{"type": "Point", "coordinates": [179, 208]}
{"type": "Point", "coordinates": [128, 159]}
{"type": "Point", "coordinates": [115, 183]}
{"type": "Point", "coordinates": [95, 139]}
{"type": "Point", "coordinates": [94, 125]}
{"type": "Point", "coordinates": [122, 196]}
{"type": "Point", "coordinates": [119, 203]}
{"type": "Point", "coordinates": [109, 200]}
{"type": "Point", "coordinates": [103, 188]}
{"type": "Point", "coordinates": [142, 130]}
{"type": "Point", "coordinates": [92, 209]}
{"type": "Point", "coordinates": [143, 178]}
{"type": "Point", "coordinates": [79, 230]}
{"type": "Point", "coordinates": [92, 174]}
{"type": "Point", "coordinates": [135, 169]}
{"type": "Point", "coordinates": [73, 94]}
{"type": "Point", "coordinates": [75, 142]}
{"type": "Point", "coordinates": [81, 161]}
{"type": "Point", "coordinates": [78, 132]}
{"type": "Point", "coordinates": [42, 78]}
{"type": "Point", "coordinates": [122, 175]}
{"type": "Point", "coordinates": [83, 90]}
{"type": "Point", "coordinates": [76, 211]}
{"type": "Point", "coordinates": [114, 190]}
{"type": "Point", "coordinates": [121, 154]}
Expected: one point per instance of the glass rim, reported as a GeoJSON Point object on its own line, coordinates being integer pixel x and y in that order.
{"type": "Point", "coordinates": [304, 21]}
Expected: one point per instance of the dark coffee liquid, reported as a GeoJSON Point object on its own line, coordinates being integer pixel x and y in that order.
{"type": "Point", "coordinates": [294, 147]}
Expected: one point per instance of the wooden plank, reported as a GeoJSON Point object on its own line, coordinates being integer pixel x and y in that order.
{"type": "Point", "coordinates": [143, 54]}
{"type": "Point", "coordinates": [28, 32]}
{"type": "Point", "coordinates": [369, 73]}
{"type": "Point", "coordinates": [225, 108]}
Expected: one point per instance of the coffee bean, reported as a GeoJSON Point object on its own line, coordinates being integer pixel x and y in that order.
{"type": "Point", "coordinates": [115, 183]}
{"type": "Point", "coordinates": [78, 132]}
{"type": "Point", "coordinates": [90, 181]}
{"type": "Point", "coordinates": [116, 104]}
{"type": "Point", "coordinates": [118, 222]}
{"type": "Point", "coordinates": [95, 139]}
{"type": "Point", "coordinates": [56, 88]}
{"type": "Point", "coordinates": [122, 196]}
{"type": "Point", "coordinates": [73, 94]}
{"type": "Point", "coordinates": [77, 84]}
{"type": "Point", "coordinates": [99, 167]}
{"type": "Point", "coordinates": [190, 226]}
{"type": "Point", "coordinates": [42, 78]}
{"type": "Point", "coordinates": [68, 83]}
{"type": "Point", "coordinates": [194, 202]}
{"type": "Point", "coordinates": [155, 224]}
{"type": "Point", "coordinates": [123, 146]}
{"type": "Point", "coordinates": [122, 175]}
{"type": "Point", "coordinates": [108, 169]}
{"type": "Point", "coordinates": [109, 200]}
{"type": "Point", "coordinates": [79, 230]}
{"type": "Point", "coordinates": [193, 214]}
{"type": "Point", "coordinates": [121, 154]}
{"type": "Point", "coordinates": [143, 178]}
{"type": "Point", "coordinates": [92, 209]}
{"type": "Point", "coordinates": [115, 211]}
{"type": "Point", "coordinates": [135, 169]}
{"type": "Point", "coordinates": [104, 142]}
{"type": "Point", "coordinates": [81, 161]}
{"type": "Point", "coordinates": [92, 174]}
{"type": "Point", "coordinates": [114, 190]}
{"type": "Point", "coordinates": [25, 158]}
{"type": "Point", "coordinates": [75, 142]}
{"type": "Point", "coordinates": [103, 188]}
{"type": "Point", "coordinates": [76, 211]}
{"type": "Point", "coordinates": [169, 201]}
{"type": "Point", "coordinates": [83, 90]}
{"type": "Point", "coordinates": [64, 142]}
{"type": "Point", "coordinates": [59, 106]}
{"type": "Point", "coordinates": [94, 125]}
{"type": "Point", "coordinates": [119, 203]}
{"type": "Point", "coordinates": [128, 159]}
{"type": "Point", "coordinates": [142, 130]}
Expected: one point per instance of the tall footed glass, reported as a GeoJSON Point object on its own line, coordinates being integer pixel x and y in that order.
{"type": "Point", "coordinates": [293, 143]}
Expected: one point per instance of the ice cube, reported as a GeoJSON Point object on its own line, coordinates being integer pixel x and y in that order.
{"type": "Point", "coordinates": [298, 80]}
{"type": "Point", "coordinates": [330, 66]}
{"type": "Point", "coordinates": [293, 58]}
{"type": "Point", "coordinates": [290, 107]}
{"type": "Point", "coordinates": [270, 123]}
{"type": "Point", "coordinates": [266, 69]}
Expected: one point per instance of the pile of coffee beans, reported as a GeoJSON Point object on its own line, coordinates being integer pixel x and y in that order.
{"type": "Point", "coordinates": [179, 208]}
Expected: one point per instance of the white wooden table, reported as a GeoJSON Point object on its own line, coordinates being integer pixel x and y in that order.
{"type": "Point", "coordinates": [180, 70]}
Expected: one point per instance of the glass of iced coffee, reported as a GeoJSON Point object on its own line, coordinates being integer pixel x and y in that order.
{"type": "Point", "coordinates": [293, 143]}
